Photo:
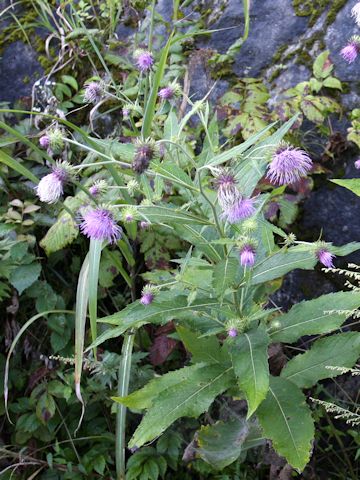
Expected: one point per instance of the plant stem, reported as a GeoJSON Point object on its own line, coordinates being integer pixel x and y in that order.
{"type": "Point", "coordinates": [123, 387]}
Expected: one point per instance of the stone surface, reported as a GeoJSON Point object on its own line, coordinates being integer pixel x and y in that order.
{"type": "Point", "coordinates": [19, 69]}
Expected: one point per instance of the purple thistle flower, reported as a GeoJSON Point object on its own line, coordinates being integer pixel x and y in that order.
{"type": "Point", "coordinates": [325, 257]}
{"type": "Point", "coordinates": [44, 141]}
{"type": "Point", "coordinates": [99, 224]}
{"type": "Point", "coordinates": [232, 332]}
{"type": "Point", "coordinates": [51, 187]}
{"type": "Point", "coordinates": [93, 92]}
{"type": "Point", "coordinates": [144, 225]}
{"type": "Point", "coordinates": [227, 191]}
{"type": "Point", "coordinates": [144, 153]}
{"type": "Point", "coordinates": [126, 113]}
{"type": "Point", "coordinates": [144, 61]}
{"type": "Point", "coordinates": [351, 50]}
{"type": "Point", "coordinates": [247, 256]}
{"type": "Point", "coordinates": [357, 164]}
{"type": "Point", "coordinates": [94, 190]}
{"type": "Point", "coordinates": [240, 210]}
{"type": "Point", "coordinates": [147, 298]}
{"type": "Point", "coordinates": [166, 93]}
{"type": "Point", "coordinates": [288, 165]}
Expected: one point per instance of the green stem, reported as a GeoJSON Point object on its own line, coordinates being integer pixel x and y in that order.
{"type": "Point", "coordinates": [123, 387]}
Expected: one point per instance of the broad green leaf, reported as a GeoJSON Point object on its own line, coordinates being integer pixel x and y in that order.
{"type": "Point", "coordinates": [144, 397]}
{"type": "Point", "coordinates": [24, 276]}
{"type": "Point", "coordinates": [281, 263]}
{"type": "Point", "coordinates": [222, 443]}
{"type": "Point", "coordinates": [202, 349]}
{"type": "Point", "coordinates": [201, 237]}
{"type": "Point", "coordinates": [341, 350]}
{"type": "Point", "coordinates": [189, 398]}
{"type": "Point", "coordinates": [166, 306]}
{"type": "Point", "coordinates": [17, 166]}
{"type": "Point", "coordinates": [352, 184]}
{"type": "Point", "coordinates": [45, 408]}
{"type": "Point", "coordinates": [345, 249]}
{"type": "Point", "coordinates": [160, 214]}
{"type": "Point", "coordinates": [286, 420]}
{"type": "Point", "coordinates": [323, 66]}
{"type": "Point", "coordinates": [225, 273]}
{"type": "Point", "coordinates": [322, 315]}
{"type": "Point", "coordinates": [174, 174]}
{"type": "Point", "coordinates": [64, 231]}
{"type": "Point", "coordinates": [70, 81]}
{"type": "Point", "coordinates": [250, 361]}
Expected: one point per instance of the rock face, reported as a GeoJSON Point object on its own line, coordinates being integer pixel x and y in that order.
{"type": "Point", "coordinates": [19, 69]}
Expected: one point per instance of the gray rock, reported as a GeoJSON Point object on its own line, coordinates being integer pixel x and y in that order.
{"type": "Point", "coordinates": [19, 69]}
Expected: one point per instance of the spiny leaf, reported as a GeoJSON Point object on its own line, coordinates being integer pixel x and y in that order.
{"type": "Point", "coordinates": [313, 317]}
{"type": "Point", "coordinates": [340, 350]}
{"type": "Point", "coordinates": [250, 361]}
{"type": "Point", "coordinates": [286, 420]}
{"type": "Point", "coordinates": [189, 398]}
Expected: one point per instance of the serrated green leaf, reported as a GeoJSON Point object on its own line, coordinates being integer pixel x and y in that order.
{"type": "Point", "coordinates": [165, 307]}
{"type": "Point", "coordinates": [314, 317]}
{"type": "Point", "coordinates": [250, 361]}
{"type": "Point", "coordinates": [341, 350]}
{"type": "Point", "coordinates": [286, 420]}
{"type": "Point", "coordinates": [189, 398]}
{"type": "Point", "coordinates": [222, 443]}
{"type": "Point", "coordinates": [144, 397]}
{"type": "Point", "coordinates": [174, 174]}
{"type": "Point", "coordinates": [224, 274]}
{"type": "Point", "coordinates": [167, 215]}
{"type": "Point", "coordinates": [352, 184]}
{"type": "Point", "coordinates": [202, 349]}
{"type": "Point", "coordinates": [281, 263]}
{"type": "Point", "coordinates": [322, 66]}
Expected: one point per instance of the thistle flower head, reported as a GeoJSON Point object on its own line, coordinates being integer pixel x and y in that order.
{"type": "Point", "coordinates": [144, 225]}
{"type": "Point", "coordinates": [99, 224]}
{"type": "Point", "coordinates": [51, 187]}
{"type": "Point", "coordinates": [148, 294]}
{"type": "Point", "coordinates": [232, 332]}
{"type": "Point", "coordinates": [144, 153]}
{"type": "Point", "coordinates": [324, 256]}
{"type": "Point", "coordinates": [249, 225]}
{"type": "Point", "coordinates": [227, 191]}
{"type": "Point", "coordinates": [240, 210]}
{"type": "Point", "coordinates": [56, 142]}
{"type": "Point", "coordinates": [288, 165]}
{"type": "Point", "coordinates": [93, 92]}
{"type": "Point", "coordinates": [351, 50]}
{"type": "Point", "coordinates": [355, 12]}
{"type": "Point", "coordinates": [290, 239]}
{"type": "Point", "coordinates": [44, 141]}
{"type": "Point", "coordinates": [129, 214]}
{"type": "Point", "coordinates": [247, 255]}
{"type": "Point", "coordinates": [98, 188]}
{"type": "Point", "coordinates": [169, 92]}
{"type": "Point", "coordinates": [132, 186]}
{"type": "Point", "coordinates": [357, 164]}
{"type": "Point", "coordinates": [236, 326]}
{"type": "Point", "coordinates": [144, 60]}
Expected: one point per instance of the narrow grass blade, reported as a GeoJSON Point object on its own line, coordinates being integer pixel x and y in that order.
{"type": "Point", "coordinates": [151, 103]}
{"type": "Point", "coordinates": [94, 265]}
{"type": "Point", "coordinates": [82, 298]}
{"type": "Point", "coordinates": [13, 345]}
{"type": "Point", "coordinates": [123, 388]}
{"type": "Point", "coordinates": [15, 165]}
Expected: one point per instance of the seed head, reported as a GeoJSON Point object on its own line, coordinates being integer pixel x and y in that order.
{"type": "Point", "coordinates": [288, 165]}
{"type": "Point", "coordinates": [355, 12]}
{"type": "Point", "coordinates": [93, 92]}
